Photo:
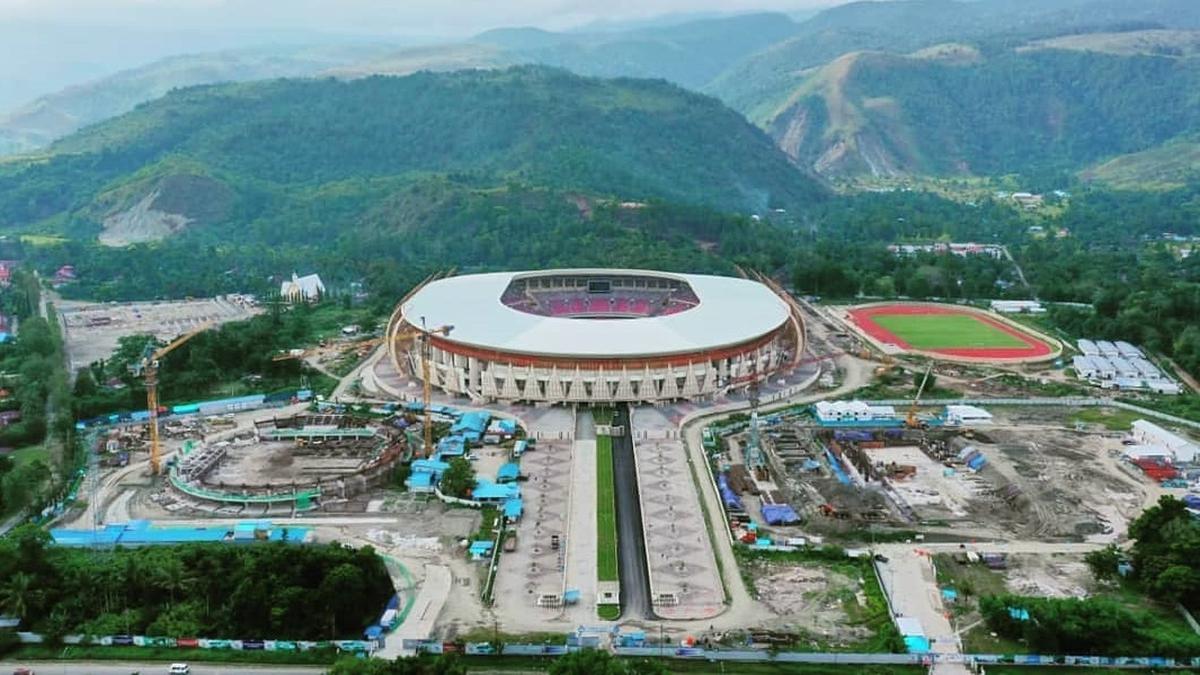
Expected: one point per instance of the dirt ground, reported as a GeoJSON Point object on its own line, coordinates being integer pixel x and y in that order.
{"type": "Point", "coordinates": [1048, 576]}
{"type": "Point", "coordinates": [276, 464]}
{"type": "Point", "coordinates": [93, 330]}
{"type": "Point", "coordinates": [1045, 477]}
{"type": "Point", "coordinates": [811, 600]}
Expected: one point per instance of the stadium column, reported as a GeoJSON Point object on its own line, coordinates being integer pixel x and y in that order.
{"type": "Point", "coordinates": [472, 373]}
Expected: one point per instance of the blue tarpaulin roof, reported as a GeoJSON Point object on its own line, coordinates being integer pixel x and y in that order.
{"type": "Point", "coordinates": [949, 594]}
{"type": "Point", "coordinates": [508, 472]}
{"type": "Point", "coordinates": [779, 514]}
{"type": "Point", "coordinates": [1018, 613]}
{"type": "Point", "coordinates": [513, 509]}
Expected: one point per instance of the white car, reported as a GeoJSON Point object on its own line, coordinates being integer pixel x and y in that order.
{"type": "Point", "coordinates": [180, 669]}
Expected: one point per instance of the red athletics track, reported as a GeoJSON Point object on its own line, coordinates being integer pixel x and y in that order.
{"type": "Point", "coordinates": [1034, 348]}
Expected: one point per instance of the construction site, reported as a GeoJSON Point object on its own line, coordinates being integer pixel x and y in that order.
{"type": "Point", "coordinates": [1019, 477]}
{"type": "Point", "coordinates": [92, 331]}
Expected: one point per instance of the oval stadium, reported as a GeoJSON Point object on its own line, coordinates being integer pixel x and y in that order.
{"type": "Point", "coordinates": [595, 335]}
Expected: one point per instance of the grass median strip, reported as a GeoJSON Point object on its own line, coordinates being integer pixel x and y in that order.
{"type": "Point", "coordinates": [606, 512]}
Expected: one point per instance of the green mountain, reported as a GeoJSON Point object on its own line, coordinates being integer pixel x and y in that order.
{"type": "Point", "coordinates": [762, 82]}
{"type": "Point", "coordinates": [957, 110]}
{"type": "Point", "coordinates": [40, 122]}
{"type": "Point", "coordinates": [292, 158]}
{"type": "Point", "coordinates": [689, 53]}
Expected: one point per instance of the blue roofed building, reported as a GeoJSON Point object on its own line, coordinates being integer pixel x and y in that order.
{"type": "Point", "coordinates": [508, 473]}
{"type": "Point", "coordinates": [452, 446]}
{"type": "Point", "coordinates": [471, 425]}
{"type": "Point", "coordinates": [487, 492]}
{"type": "Point", "coordinates": [480, 549]}
{"type": "Point", "coordinates": [513, 509]}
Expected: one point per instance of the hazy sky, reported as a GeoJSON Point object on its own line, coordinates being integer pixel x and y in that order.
{"type": "Point", "coordinates": [405, 17]}
{"type": "Point", "coordinates": [49, 44]}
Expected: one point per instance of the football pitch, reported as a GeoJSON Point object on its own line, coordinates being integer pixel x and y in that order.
{"type": "Point", "coordinates": [946, 331]}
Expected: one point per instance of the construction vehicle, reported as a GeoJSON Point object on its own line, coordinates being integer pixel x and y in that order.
{"type": "Point", "coordinates": [147, 369]}
{"type": "Point", "coordinates": [422, 336]}
{"type": "Point", "coordinates": [911, 421]}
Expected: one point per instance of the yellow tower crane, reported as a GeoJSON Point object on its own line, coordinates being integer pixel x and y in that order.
{"type": "Point", "coordinates": [147, 369]}
{"type": "Point", "coordinates": [912, 422]}
{"type": "Point", "coordinates": [421, 335]}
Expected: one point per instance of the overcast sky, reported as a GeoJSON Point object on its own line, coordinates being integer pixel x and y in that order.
{"type": "Point", "coordinates": [387, 17]}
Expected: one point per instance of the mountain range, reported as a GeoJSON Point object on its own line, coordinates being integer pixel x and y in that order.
{"type": "Point", "coordinates": [896, 88]}
{"type": "Point", "coordinates": [292, 157]}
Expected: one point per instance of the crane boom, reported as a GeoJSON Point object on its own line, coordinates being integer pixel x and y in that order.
{"type": "Point", "coordinates": [912, 410]}
{"type": "Point", "coordinates": [148, 369]}
{"type": "Point", "coordinates": [422, 336]}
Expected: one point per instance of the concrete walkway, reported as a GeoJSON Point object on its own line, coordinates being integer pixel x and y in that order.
{"type": "Point", "coordinates": [581, 523]}
{"type": "Point", "coordinates": [419, 624]}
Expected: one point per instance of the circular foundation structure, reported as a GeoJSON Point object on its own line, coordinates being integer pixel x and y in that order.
{"type": "Point", "coordinates": [595, 335]}
{"type": "Point", "coordinates": [950, 332]}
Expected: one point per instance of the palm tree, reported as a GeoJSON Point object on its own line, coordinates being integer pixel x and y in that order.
{"type": "Point", "coordinates": [18, 594]}
{"type": "Point", "coordinates": [174, 578]}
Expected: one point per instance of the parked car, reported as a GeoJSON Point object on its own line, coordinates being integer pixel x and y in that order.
{"type": "Point", "coordinates": [180, 669]}
{"type": "Point", "coordinates": [22, 671]}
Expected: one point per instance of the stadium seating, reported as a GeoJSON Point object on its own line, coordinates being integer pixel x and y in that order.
{"type": "Point", "coordinates": [621, 302]}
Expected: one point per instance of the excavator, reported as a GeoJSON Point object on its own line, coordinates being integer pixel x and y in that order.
{"type": "Point", "coordinates": [147, 369]}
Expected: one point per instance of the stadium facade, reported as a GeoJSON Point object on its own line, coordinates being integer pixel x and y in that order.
{"type": "Point", "coordinates": [595, 335]}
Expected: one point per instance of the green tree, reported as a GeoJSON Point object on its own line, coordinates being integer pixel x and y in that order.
{"type": "Point", "coordinates": [18, 595]}
{"type": "Point", "coordinates": [596, 662]}
{"type": "Point", "coordinates": [459, 479]}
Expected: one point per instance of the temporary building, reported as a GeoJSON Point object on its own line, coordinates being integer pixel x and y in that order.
{"type": "Point", "coordinates": [508, 473]}
{"type": "Point", "coordinates": [480, 549]}
{"type": "Point", "coordinates": [1149, 433]}
{"type": "Point", "coordinates": [967, 415]}
{"type": "Point", "coordinates": [494, 493]}
{"type": "Point", "coordinates": [513, 509]}
{"type": "Point", "coordinates": [471, 424]}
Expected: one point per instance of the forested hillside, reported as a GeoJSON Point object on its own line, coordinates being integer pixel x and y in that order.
{"type": "Point", "coordinates": [763, 81]}
{"type": "Point", "coordinates": [688, 53]}
{"type": "Point", "coordinates": [53, 116]}
{"type": "Point", "coordinates": [284, 159]}
{"type": "Point", "coordinates": [959, 110]}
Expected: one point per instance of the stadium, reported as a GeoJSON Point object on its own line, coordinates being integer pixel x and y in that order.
{"type": "Point", "coordinates": [595, 335]}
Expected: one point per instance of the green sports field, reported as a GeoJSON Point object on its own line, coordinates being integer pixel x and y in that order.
{"type": "Point", "coordinates": [946, 331]}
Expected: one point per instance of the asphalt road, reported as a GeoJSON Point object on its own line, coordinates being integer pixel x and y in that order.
{"type": "Point", "coordinates": [631, 540]}
{"type": "Point", "coordinates": [110, 668]}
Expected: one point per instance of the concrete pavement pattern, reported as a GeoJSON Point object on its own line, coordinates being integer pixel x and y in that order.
{"type": "Point", "coordinates": [684, 581]}
{"type": "Point", "coordinates": [536, 568]}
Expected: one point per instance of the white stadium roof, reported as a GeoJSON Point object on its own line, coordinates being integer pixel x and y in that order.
{"type": "Point", "coordinates": [731, 312]}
